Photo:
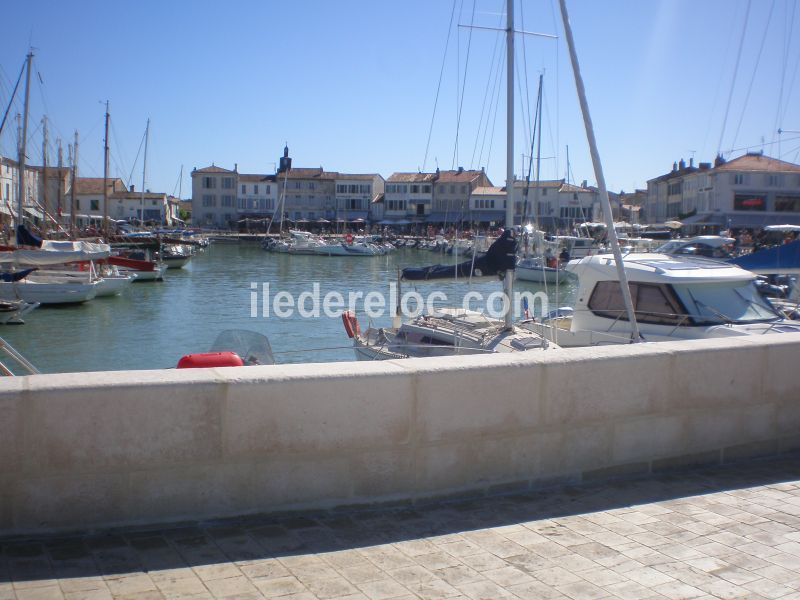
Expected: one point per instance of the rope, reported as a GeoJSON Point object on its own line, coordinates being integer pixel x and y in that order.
{"type": "Point", "coordinates": [463, 85]}
{"type": "Point", "coordinates": [753, 78]}
{"type": "Point", "coordinates": [439, 85]}
{"type": "Point", "coordinates": [733, 81]}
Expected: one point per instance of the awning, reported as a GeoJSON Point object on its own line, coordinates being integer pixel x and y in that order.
{"type": "Point", "coordinates": [34, 212]}
{"type": "Point", "coordinates": [758, 220]}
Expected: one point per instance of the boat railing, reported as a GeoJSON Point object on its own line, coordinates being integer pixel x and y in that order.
{"type": "Point", "coordinates": [20, 361]}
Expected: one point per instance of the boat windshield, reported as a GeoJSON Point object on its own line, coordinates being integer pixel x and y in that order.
{"type": "Point", "coordinates": [725, 302]}
{"type": "Point", "coordinates": [670, 247]}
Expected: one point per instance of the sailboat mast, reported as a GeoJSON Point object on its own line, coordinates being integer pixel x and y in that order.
{"type": "Point", "coordinates": [508, 282]}
{"type": "Point", "coordinates": [144, 173]}
{"type": "Point", "coordinates": [105, 178]}
{"type": "Point", "coordinates": [598, 173]}
{"type": "Point", "coordinates": [45, 196]}
{"type": "Point", "coordinates": [73, 187]}
{"type": "Point", "coordinates": [22, 142]}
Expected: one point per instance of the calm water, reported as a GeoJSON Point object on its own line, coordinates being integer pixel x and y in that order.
{"type": "Point", "coordinates": [153, 324]}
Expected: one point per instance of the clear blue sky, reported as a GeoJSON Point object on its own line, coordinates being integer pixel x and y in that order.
{"type": "Point", "coordinates": [351, 85]}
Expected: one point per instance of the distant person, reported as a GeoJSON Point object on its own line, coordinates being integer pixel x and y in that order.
{"type": "Point", "coordinates": [564, 256]}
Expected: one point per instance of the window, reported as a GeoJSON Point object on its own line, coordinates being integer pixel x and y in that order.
{"type": "Point", "coordinates": [244, 188]}
{"type": "Point", "coordinates": [353, 204]}
{"type": "Point", "coordinates": [297, 185]}
{"type": "Point", "coordinates": [740, 179]}
{"type": "Point", "coordinates": [227, 183]}
{"type": "Point", "coordinates": [452, 189]}
{"type": "Point", "coordinates": [365, 189]}
{"type": "Point", "coordinates": [77, 203]}
{"type": "Point", "coordinates": [652, 303]}
{"type": "Point", "coordinates": [94, 204]}
{"type": "Point", "coordinates": [787, 203]}
{"type": "Point", "coordinates": [749, 202]}
{"type": "Point", "coordinates": [675, 189]}
{"type": "Point", "coordinates": [426, 189]}
{"type": "Point", "coordinates": [209, 201]}
{"type": "Point", "coordinates": [774, 180]}
{"type": "Point", "coordinates": [415, 189]}
{"type": "Point", "coordinates": [463, 189]}
{"type": "Point", "coordinates": [227, 201]}
{"type": "Point", "coordinates": [341, 188]}
{"type": "Point", "coordinates": [311, 185]}
{"type": "Point", "coordinates": [268, 188]}
{"type": "Point", "coordinates": [209, 183]}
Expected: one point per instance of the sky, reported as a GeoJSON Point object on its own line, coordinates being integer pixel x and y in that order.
{"type": "Point", "coordinates": [360, 86]}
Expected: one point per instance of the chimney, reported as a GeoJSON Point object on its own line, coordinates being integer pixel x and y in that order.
{"type": "Point", "coordinates": [691, 162]}
{"type": "Point", "coordinates": [674, 167]}
{"type": "Point", "coordinates": [132, 188]}
{"type": "Point", "coordinates": [460, 169]}
{"type": "Point", "coordinates": [584, 184]}
{"type": "Point", "coordinates": [682, 165]}
{"type": "Point", "coordinates": [235, 167]}
{"type": "Point", "coordinates": [719, 160]}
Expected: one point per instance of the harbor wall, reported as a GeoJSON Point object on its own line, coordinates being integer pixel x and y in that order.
{"type": "Point", "coordinates": [90, 450]}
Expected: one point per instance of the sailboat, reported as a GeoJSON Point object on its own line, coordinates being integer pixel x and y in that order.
{"type": "Point", "coordinates": [18, 283]}
{"type": "Point", "coordinates": [452, 331]}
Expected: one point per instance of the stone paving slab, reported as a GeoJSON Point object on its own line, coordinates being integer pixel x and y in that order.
{"type": "Point", "coordinates": [722, 532]}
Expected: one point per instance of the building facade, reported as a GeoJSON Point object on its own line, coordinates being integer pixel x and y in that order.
{"type": "Point", "coordinates": [750, 191]}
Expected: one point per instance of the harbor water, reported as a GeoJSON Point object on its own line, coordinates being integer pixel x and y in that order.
{"type": "Point", "coordinates": [152, 324]}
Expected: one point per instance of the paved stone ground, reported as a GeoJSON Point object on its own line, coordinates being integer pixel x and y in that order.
{"type": "Point", "coordinates": [723, 532]}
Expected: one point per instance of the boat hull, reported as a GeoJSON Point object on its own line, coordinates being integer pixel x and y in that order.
{"type": "Point", "coordinates": [113, 286]}
{"type": "Point", "coordinates": [48, 293]}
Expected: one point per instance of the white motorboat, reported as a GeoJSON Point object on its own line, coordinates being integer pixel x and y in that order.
{"type": "Point", "coordinates": [674, 298]}
{"type": "Point", "coordinates": [446, 332]}
{"type": "Point", "coordinates": [535, 270]}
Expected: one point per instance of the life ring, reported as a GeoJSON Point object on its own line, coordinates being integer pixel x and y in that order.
{"type": "Point", "coordinates": [351, 325]}
{"type": "Point", "coordinates": [349, 239]}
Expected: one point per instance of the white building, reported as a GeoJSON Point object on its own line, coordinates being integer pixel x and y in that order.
{"type": "Point", "coordinates": [750, 191]}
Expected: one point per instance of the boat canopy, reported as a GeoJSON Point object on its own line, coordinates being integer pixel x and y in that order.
{"type": "Point", "coordinates": [783, 259]}
{"type": "Point", "coordinates": [54, 252]}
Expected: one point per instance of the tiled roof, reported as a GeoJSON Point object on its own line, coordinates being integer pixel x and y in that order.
{"type": "Point", "coordinates": [488, 191]}
{"type": "Point", "coordinates": [300, 173]}
{"type": "Point", "coordinates": [568, 187]}
{"type": "Point", "coordinates": [250, 177]}
{"type": "Point", "coordinates": [94, 185]}
{"type": "Point", "coordinates": [411, 178]}
{"type": "Point", "coordinates": [673, 174]}
{"type": "Point", "coordinates": [758, 162]}
{"type": "Point", "coordinates": [458, 176]}
{"type": "Point", "coordinates": [212, 169]}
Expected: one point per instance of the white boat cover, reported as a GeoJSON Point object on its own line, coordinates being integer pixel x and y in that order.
{"type": "Point", "coordinates": [55, 252]}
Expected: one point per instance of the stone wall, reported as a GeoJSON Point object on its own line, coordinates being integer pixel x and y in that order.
{"type": "Point", "coordinates": [91, 450]}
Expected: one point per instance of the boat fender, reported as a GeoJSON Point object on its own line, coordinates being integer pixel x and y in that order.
{"type": "Point", "coordinates": [210, 359]}
{"type": "Point", "coordinates": [349, 238]}
{"type": "Point", "coordinates": [351, 325]}
{"type": "Point", "coordinates": [477, 273]}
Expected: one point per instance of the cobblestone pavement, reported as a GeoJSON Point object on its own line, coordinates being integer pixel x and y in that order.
{"type": "Point", "coordinates": [723, 532]}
